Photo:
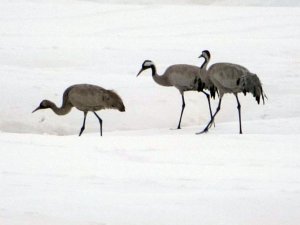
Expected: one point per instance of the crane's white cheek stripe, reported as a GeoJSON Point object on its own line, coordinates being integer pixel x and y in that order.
{"type": "Point", "coordinates": [148, 64]}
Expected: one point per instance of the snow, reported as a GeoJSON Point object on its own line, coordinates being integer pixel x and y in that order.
{"type": "Point", "coordinates": [142, 171]}
{"type": "Point", "coordinates": [150, 178]}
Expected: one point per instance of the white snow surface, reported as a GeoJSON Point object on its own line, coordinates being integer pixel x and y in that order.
{"type": "Point", "coordinates": [143, 171]}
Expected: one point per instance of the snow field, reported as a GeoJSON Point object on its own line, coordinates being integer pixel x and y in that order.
{"type": "Point", "coordinates": [142, 171]}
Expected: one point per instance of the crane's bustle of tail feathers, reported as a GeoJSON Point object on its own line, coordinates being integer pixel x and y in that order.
{"type": "Point", "coordinates": [251, 83]}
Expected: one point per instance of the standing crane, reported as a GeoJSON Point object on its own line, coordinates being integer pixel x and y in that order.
{"type": "Point", "coordinates": [232, 78]}
{"type": "Point", "coordinates": [184, 78]}
{"type": "Point", "coordinates": [85, 97]}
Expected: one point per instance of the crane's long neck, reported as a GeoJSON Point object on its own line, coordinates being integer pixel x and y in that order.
{"type": "Point", "coordinates": [63, 110]}
{"type": "Point", "coordinates": [161, 80]}
{"type": "Point", "coordinates": [205, 63]}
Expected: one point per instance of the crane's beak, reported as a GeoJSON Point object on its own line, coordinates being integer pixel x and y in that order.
{"type": "Point", "coordinates": [140, 72]}
{"type": "Point", "coordinates": [36, 109]}
{"type": "Point", "coordinates": [200, 56]}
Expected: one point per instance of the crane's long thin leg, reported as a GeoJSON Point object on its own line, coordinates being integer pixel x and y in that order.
{"type": "Point", "coordinates": [182, 109]}
{"type": "Point", "coordinates": [213, 118]}
{"type": "Point", "coordinates": [100, 121]}
{"type": "Point", "coordinates": [208, 99]}
{"type": "Point", "coordinates": [239, 109]}
{"type": "Point", "coordinates": [83, 125]}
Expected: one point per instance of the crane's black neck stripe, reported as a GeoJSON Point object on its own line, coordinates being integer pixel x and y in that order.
{"type": "Point", "coordinates": [153, 70]}
{"type": "Point", "coordinates": [204, 63]}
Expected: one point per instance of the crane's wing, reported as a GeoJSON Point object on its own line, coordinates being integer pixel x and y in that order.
{"type": "Point", "coordinates": [251, 83]}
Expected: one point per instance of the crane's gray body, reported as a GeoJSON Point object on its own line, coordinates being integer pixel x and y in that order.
{"type": "Point", "coordinates": [185, 78]}
{"type": "Point", "coordinates": [87, 97]}
{"type": "Point", "coordinates": [225, 76]}
{"type": "Point", "coordinates": [233, 78]}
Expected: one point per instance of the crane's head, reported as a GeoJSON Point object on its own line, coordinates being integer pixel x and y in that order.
{"type": "Point", "coordinates": [205, 54]}
{"type": "Point", "coordinates": [147, 64]}
{"type": "Point", "coordinates": [45, 104]}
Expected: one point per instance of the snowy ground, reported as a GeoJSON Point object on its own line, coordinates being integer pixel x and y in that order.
{"type": "Point", "coordinates": [142, 171]}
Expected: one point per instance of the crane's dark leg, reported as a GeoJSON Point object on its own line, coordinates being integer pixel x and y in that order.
{"type": "Point", "coordinates": [83, 125]}
{"type": "Point", "coordinates": [100, 121]}
{"type": "Point", "coordinates": [208, 99]}
{"type": "Point", "coordinates": [213, 117]}
{"type": "Point", "coordinates": [239, 109]}
{"type": "Point", "coordinates": [182, 109]}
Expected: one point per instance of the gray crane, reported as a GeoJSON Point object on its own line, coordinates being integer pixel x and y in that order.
{"type": "Point", "coordinates": [232, 78]}
{"type": "Point", "coordinates": [85, 97]}
{"type": "Point", "coordinates": [184, 78]}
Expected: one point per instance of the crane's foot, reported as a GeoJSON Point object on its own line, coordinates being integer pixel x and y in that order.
{"type": "Point", "coordinates": [209, 125]}
{"type": "Point", "coordinates": [202, 132]}
{"type": "Point", "coordinates": [80, 132]}
{"type": "Point", "coordinates": [178, 128]}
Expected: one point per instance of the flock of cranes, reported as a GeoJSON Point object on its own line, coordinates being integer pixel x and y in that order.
{"type": "Point", "coordinates": [218, 79]}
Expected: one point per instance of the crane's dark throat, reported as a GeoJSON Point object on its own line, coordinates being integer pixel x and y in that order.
{"type": "Point", "coordinates": [205, 61]}
{"type": "Point", "coordinates": [153, 70]}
